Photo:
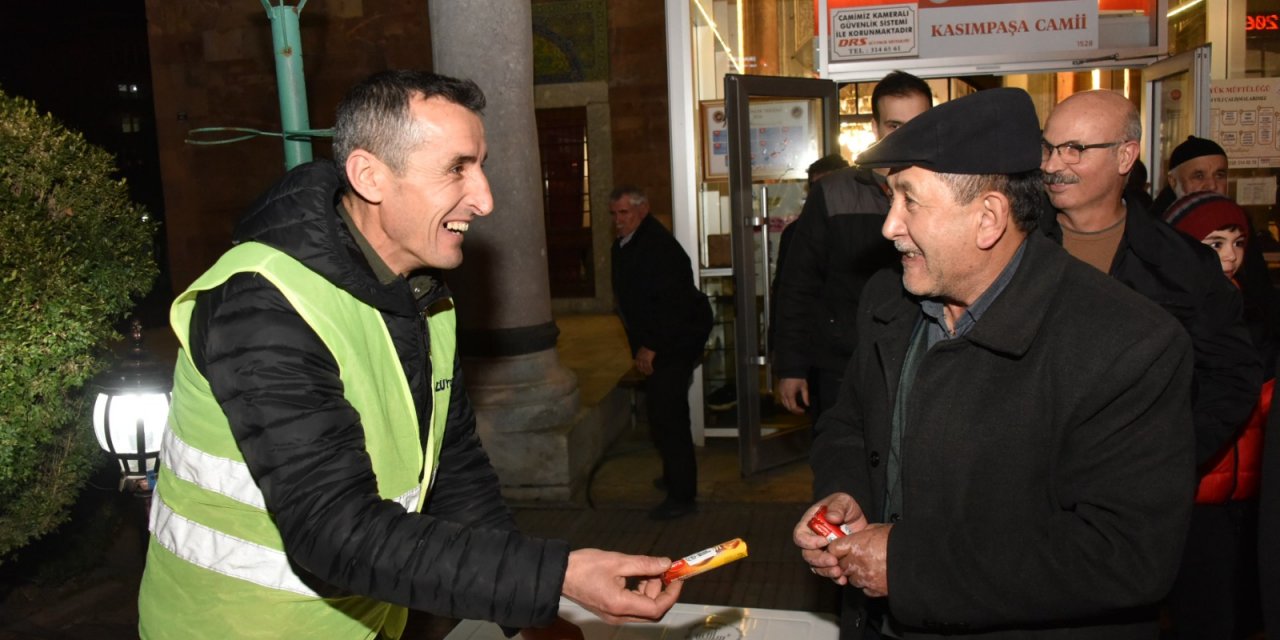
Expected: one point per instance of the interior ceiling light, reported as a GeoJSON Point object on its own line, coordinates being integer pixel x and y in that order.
{"type": "Point", "coordinates": [1182, 8]}
{"type": "Point", "coordinates": [728, 52]}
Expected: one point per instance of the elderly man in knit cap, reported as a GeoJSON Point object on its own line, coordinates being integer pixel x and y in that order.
{"type": "Point", "coordinates": [1011, 449]}
{"type": "Point", "coordinates": [1198, 164]}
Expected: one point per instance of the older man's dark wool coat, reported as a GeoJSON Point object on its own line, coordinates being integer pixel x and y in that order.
{"type": "Point", "coordinates": [1047, 466]}
{"type": "Point", "coordinates": [661, 308]}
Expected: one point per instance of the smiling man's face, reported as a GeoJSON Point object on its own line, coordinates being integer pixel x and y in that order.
{"type": "Point", "coordinates": [428, 207]}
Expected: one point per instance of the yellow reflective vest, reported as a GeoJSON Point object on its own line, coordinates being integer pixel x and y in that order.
{"type": "Point", "coordinates": [216, 565]}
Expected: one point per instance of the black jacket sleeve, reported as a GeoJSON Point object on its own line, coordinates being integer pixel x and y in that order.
{"type": "Point", "coordinates": [839, 453]}
{"type": "Point", "coordinates": [1228, 373]}
{"type": "Point", "coordinates": [304, 445]}
{"type": "Point", "coordinates": [466, 489]}
{"type": "Point", "coordinates": [799, 292]}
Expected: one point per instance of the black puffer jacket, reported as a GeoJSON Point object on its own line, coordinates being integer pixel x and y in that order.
{"type": "Point", "coordinates": [303, 443]}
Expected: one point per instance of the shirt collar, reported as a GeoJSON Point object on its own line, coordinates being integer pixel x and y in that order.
{"type": "Point", "coordinates": [933, 308]}
{"type": "Point", "coordinates": [380, 269]}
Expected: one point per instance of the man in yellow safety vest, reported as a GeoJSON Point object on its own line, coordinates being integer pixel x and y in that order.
{"type": "Point", "coordinates": [321, 472]}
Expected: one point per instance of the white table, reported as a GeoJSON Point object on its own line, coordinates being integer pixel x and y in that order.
{"type": "Point", "coordinates": [684, 621]}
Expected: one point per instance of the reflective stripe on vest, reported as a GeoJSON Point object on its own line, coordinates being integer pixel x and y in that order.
{"type": "Point", "coordinates": [228, 555]}
{"type": "Point", "coordinates": [228, 477]}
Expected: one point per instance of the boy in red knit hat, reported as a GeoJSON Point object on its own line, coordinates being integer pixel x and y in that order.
{"type": "Point", "coordinates": [1215, 580]}
{"type": "Point", "coordinates": [1214, 220]}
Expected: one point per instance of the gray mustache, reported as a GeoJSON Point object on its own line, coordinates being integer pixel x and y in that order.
{"type": "Point", "coordinates": [1060, 178]}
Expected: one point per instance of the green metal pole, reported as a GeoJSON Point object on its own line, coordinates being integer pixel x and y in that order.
{"type": "Point", "coordinates": [292, 85]}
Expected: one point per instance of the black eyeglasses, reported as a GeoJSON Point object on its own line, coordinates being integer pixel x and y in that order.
{"type": "Point", "coordinates": [1070, 152]}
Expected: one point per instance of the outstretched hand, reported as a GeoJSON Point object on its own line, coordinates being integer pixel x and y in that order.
{"type": "Point", "coordinates": [597, 580]}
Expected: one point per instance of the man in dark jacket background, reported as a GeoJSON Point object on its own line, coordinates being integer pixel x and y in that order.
{"type": "Point", "coordinates": [1091, 141]}
{"type": "Point", "coordinates": [371, 232]}
{"type": "Point", "coordinates": [1013, 446]}
{"type": "Point", "coordinates": [667, 320]}
{"type": "Point", "coordinates": [834, 247]}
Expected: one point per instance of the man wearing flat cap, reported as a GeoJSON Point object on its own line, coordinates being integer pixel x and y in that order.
{"type": "Point", "coordinates": [1011, 445]}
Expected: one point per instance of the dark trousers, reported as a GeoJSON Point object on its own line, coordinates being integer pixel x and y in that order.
{"type": "Point", "coordinates": [667, 397]}
{"type": "Point", "coordinates": [824, 390]}
{"type": "Point", "coordinates": [1215, 595]}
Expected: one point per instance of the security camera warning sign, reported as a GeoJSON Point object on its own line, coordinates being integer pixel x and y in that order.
{"type": "Point", "coordinates": [877, 31]}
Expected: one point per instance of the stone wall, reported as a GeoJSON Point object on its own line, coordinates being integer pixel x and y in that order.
{"type": "Point", "coordinates": [638, 100]}
{"type": "Point", "coordinates": [212, 65]}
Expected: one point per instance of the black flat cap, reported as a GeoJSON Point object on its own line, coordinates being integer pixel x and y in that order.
{"type": "Point", "coordinates": [988, 132]}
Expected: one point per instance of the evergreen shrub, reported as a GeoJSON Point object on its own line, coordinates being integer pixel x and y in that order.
{"type": "Point", "coordinates": [74, 252]}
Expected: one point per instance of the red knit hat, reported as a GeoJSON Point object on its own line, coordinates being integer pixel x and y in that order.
{"type": "Point", "coordinates": [1203, 212]}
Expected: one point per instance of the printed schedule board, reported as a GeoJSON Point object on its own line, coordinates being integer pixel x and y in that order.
{"type": "Point", "coordinates": [1243, 120]}
{"type": "Point", "coordinates": [862, 29]}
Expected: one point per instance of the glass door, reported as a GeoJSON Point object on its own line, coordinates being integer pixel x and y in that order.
{"type": "Point", "coordinates": [1175, 105]}
{"type": "Point", "coordinates": [776, 128]}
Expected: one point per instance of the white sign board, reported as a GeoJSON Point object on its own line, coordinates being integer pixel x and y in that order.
{"type": "Point", "coordinates": [1243, 120]}
{"type": "Point", "coordinates": [868, 29]}
{"type": "Point", "coordinates": [783, 139]}
{"type": "Point", "coordinates": [1256, 191]}
{"type": "Point", "coordinates": [882, 31]}
{"type": "Point", "coordinates": [969, 27]}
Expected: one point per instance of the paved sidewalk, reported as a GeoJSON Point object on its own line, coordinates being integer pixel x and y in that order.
{"type": "Point", "coordinates": [102, 604]}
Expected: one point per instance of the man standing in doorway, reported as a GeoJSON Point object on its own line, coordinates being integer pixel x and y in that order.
{"type": "Point", "coordinates": [667, 320]}
{"type": "Point", "coordinates": [835, 248]}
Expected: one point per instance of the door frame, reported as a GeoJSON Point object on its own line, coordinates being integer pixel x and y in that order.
{"type": "Point", "coordinates": [757, 450]}
{"type": "Point", "coordinates": [1198, 63]}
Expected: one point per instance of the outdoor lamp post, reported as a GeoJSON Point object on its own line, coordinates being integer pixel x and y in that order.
{"type": "Point", "coordinates": [130, 412]}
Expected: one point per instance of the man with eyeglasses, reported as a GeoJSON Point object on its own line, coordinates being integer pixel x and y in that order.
{"type": "Point", "coordinates": [1090, 144]}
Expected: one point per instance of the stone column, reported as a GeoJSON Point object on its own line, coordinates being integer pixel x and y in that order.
{"type": "Point", "coordinates": [525, 401]}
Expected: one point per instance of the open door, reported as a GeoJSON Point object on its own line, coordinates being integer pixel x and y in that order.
{"type": "Point", "coordinates": [777, 127]}
{"type": "Point", "coordinates": [1175, 105]}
